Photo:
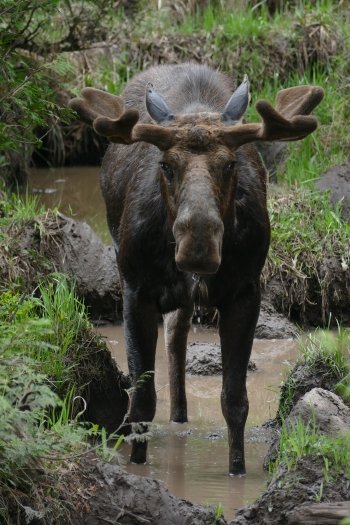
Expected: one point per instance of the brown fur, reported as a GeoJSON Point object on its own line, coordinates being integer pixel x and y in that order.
{"type": "Point", "coordinates": [186, 207]}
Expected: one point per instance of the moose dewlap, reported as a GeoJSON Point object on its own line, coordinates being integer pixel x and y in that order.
{"type": "Point", "coordinates": [185, 193]}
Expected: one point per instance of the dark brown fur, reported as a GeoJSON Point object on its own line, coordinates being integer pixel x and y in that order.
{"type": "Point", "coordinates": [186, 207]}
{"type": "Point", "coordinates": [141, 209]}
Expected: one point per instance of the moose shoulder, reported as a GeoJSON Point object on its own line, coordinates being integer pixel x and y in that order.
{"type": "Point", "coordinates": [185, 192]}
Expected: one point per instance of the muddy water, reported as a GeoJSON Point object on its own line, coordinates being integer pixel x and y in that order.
{"type": "Point", "coordinates": [75, 191]}
{"type": "Point", "coordinates": [192, 458]}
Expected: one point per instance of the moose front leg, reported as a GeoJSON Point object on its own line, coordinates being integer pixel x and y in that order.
{"type": "Point", "coordinates": [236, 326]}
{"type": "Point", "coordinates": [141, 331]}
{"type": "Point", "coordinates": [176, 327]}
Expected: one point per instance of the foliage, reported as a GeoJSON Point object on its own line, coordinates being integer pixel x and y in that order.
{"type": "Point", "coordinates": [300, 440]}
{"type": "Point", "coordinates": [26, 440]}
{"type": "Point", "coordinates": [39, 406]}
{"type": "Point", "coordinates": [28, 99]}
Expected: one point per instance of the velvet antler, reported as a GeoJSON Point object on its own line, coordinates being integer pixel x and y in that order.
{"type": "Point", "coordinates": [289, 120]}
{"type": "Point", "coordinates": [108, 116]}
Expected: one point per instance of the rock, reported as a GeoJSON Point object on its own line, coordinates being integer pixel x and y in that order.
{"type": "Point", "coordinates": [325, 408]}
{"type": "Point", "coordinates": [320, 407]}
{"type": "Point", "coordinates": [77, 251]}
{"type": "Point", "coordinates": [205, 359]}
{"type": "Point", "coordinates": [272, 325]}
{"type": "Point", "coordinates": [336, 180]}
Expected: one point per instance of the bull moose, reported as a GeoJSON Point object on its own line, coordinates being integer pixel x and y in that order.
{"type": "Point", "coordinates": [185, 192]}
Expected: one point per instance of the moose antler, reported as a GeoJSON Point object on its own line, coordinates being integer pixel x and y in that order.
{"type": "Point", "coordinates": [108, 116]}
{"type": "Point", "coordinates": [289, 120]}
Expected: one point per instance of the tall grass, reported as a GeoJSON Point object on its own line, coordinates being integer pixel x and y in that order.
{"type": "Point", "coordinates": [68, 318]}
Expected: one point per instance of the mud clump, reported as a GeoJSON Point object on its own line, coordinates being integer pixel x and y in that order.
{"type": "Point", "coordinates": [325, 409]}
{"type": "Point", "coordinates": [273, 325]}
{"type": "Point", "coordinates": [205, 359]}
{"type": "Point", "coordinates": [301, 380]}
{"type": "Point", "coordinates": [54, 242]}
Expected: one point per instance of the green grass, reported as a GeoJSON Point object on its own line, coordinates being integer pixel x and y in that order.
{"type": "Point", "coordinates": [307, 233]}
{"type": "Point", "coordinates": [68, 317]}
{"type": "Point", "coordinates": [239, 23]}
{"type": "Point", "coordinates": [321, 352]}
{"type": "Point", "coordinates": [27, 440]}
{"type": "Point", "coordinates": [16, 208]}
{"type": "Point", "coordinates": [300, 440]}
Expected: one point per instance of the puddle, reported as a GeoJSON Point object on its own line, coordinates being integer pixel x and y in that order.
{"type": "Point", "coordinates": [192, 465]}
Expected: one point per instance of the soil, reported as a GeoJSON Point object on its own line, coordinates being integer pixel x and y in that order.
{"type": "Point", "coordinates": [93, 492]}
{"type": "Point", "coordinates": [78, 252]}
{"type": "Point", "coordinates": [288, 489]}
{"type": "Point", "coordinates": [55, 242]}
{"type": "Point", "coordinates": [321, 300]}
{"type": "Point", "coordinates": [324, 408]}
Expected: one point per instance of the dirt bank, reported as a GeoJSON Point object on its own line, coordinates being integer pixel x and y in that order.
{"type": "Point", "coordinates": [91, 492]}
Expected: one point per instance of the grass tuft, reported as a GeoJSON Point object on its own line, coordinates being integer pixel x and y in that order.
{"type": "Point", "coordinates": [300, 440]}
{"type": "Point", "coordinates": [324, 360]}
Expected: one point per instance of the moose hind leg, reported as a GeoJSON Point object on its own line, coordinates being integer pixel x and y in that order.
{"type": "Point", "coordinates": [176, 327]}
{"type": "Point", "coordinates": [141, 331]}
{"type": "Point", "coordinates": [236, 326]}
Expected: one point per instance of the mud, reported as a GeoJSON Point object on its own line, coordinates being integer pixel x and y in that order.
{"type": "Point", "coordinates": [205, 359]}
{"type": "Point", "coordinates": [274, 325]}
{"type": "Point", "coordinates": [77, 251]}
{"type": "Point", "coordinates": [103, 386]}
{"type": "Point", "coordinates": [324, 408]}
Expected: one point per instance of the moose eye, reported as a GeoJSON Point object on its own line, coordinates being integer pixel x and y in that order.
{"type": "Point", "coordinates": [228, 169]}
{"type": "Point", "coordinates": [167, 170]}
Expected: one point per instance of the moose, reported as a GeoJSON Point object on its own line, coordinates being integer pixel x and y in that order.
{"type": "Point", "coordinates": [185, 192]}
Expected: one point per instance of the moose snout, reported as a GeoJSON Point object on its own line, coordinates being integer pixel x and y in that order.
{"type": "Point", "coordinates": [198, 246]}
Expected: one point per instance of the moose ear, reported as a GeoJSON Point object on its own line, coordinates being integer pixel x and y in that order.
{"type": "Point", "coordinates": [238, 103]}
{"type": "Point", "coordinates": [157, 107]}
